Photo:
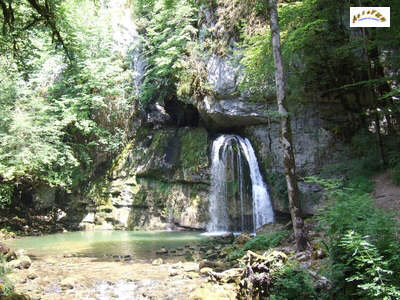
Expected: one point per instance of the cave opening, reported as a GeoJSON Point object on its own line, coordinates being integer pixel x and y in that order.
{"type": "Point", "coordinates": [182, 114]}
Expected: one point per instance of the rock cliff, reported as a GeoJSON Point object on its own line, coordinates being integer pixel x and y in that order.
{"type": "Point", "coordinates": [161, 179]}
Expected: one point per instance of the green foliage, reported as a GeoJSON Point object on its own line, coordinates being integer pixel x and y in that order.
{"type": "Point", "coordinates": [169, 27]}
{"type": "Point", "coordinates": [323, 57]}
{"type": "Point", "coordinates": [369, 270]}
{"type": "Point", "coordinates": [392, 146]}
{"type": "Point", "coordinates": [362, 162]}
{"type": "Point", "coordinates": [259, 66]}
{"type": "Point", "coordinates": [57, 118]}
{"type": "Point", "coordinates": [292, 282]}
{"type": "Point", "coordinates": [396, 174]}
{"type": "Point", "coordinates": [351, 211]}
{"type": "Point", "coordinates": [6, 286]}
{"type": "Point", "coordinates": [6, 194]}
{"type": "Point", "coordinates": [265, 241]}
{"type": "Point", "coordinates": [31, 137]}
{"type": "Point", "coordinates": [236, 254]}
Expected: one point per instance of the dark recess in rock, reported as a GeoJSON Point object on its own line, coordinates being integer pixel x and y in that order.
{"type": "Point", "coordinates": [182, 114]}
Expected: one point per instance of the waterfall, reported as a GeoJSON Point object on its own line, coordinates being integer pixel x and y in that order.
{"type": "Point", "coordinates": [239, 200]}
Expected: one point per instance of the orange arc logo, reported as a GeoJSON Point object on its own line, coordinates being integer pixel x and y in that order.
{"type": "Point", "coordinates": [369, 15]}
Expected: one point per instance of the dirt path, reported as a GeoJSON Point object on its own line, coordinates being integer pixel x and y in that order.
{"type": "Point", "coordinates": [387, 194]}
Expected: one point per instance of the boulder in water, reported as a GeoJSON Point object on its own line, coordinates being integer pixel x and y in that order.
{"type": "Point", "coordinates": [22, 262]}
{"type": "Point", "coordinates": [162, 251]}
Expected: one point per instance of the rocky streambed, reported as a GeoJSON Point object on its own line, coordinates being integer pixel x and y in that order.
{"type": "Point", "coordinates": [172, 273]}
{"type": "Point", "coordinates": [212, 268]}
{"type": "Point", "coordinates": [61, 277]}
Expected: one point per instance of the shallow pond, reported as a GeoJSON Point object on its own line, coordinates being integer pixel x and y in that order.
{"type": "Point", "coordinates": [139, 245]}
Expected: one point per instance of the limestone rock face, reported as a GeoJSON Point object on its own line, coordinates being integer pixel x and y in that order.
{"type": "Point", "coordinates": [229, 113]}
{"type": "Point", "coordinates": [313, 148]}
{"type": "Point", "coordinates": [226, 106]}
{"type": "Point", "coordinates": [159, 181]}
{"type": "Point", "coordinates": [224, 75]}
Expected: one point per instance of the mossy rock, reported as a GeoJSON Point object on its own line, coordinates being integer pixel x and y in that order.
{"type": "Point", "coordinates": [194, 148]}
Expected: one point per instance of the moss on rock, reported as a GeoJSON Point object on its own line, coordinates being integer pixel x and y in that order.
{"type": "Point", "coordinates": [194, 149]}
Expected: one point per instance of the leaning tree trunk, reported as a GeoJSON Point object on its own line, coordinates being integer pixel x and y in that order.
{"type": "Point", "coordinates": [286, 132]}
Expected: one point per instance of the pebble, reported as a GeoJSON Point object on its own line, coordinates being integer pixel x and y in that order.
{"type": "Point", "coordinates": [162, 251]}
{"type": "Point", "coordinates": [173, 272]}
{"type": "Point", "coordinates": [157, 262]}
{"type": "Point", "coordinates": [32, 276]}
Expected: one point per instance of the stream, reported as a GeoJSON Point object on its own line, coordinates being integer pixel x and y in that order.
{"type": "Point", "coordinates": [115, 265]}
{"type": "Point", "coordinates": [100, 244]}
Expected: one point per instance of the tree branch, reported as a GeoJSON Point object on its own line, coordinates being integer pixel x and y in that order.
{"type": "Point", "coordinates": [48, 15]}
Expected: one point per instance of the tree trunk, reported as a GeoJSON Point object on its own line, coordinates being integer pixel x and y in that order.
{"type": "Point", "coordinates": [286, 132]}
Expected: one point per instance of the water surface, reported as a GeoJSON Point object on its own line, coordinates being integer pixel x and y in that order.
{"type": "Point", "coordinates": [140, 245]}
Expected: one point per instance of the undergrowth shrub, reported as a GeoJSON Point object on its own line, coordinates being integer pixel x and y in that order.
{"type": "Point", "coordinates": [362, 243]}
{"type": "Point", "coordinates": [6, 286]}
{"type": "Point", "coordinates": [265, 241]}
{"type": "Point", "coordinates": [396, 174]}
{"type": "Point", "coordinates": [259, 242]}
{"type": "Point", "coordinates": [368, 272]}
{"type": "Point", "coordinates": [236, 254]}
{"type": "Point", "coordinates": [6, 194]}
{"type": "Point", "coordinates": [393, 156]}
{"type": "Point", "coordinates": [292, 282]}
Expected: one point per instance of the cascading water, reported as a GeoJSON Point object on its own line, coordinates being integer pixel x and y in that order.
{"type": "Point", "coordinates": [239, 200]}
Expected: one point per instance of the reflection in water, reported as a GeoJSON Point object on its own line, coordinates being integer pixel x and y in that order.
{"type": "Point", "coordinates": [104, 243]}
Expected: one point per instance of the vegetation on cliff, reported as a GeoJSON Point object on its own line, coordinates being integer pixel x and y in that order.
{"type": "Point", "coordinates": [61, 107]}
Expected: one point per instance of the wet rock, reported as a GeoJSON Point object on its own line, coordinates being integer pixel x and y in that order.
{"type": "Point", "coordinates": [192, 275]}
{"type": "Point", "coordinates": [32, 276]}
{"type": "Point", "coordinates": [303, 256]}
{"type": "Point", "coordinates": [214, 292]}
{"type": "Point", "coordinates": [15, 296]}
{"type": "Point", "coordinates": [173, 272]}
{"type": "Point", "coordinates": [211, 254]}
{"type": "Point", "coordinates": [273, 227]}
{"type": "Point", "coordinates": [5, 234]}
{"type": "Point", "coordinates": [4, 249]}
{"type": "Point", "coordinates": [205, 270]}
{"type": "Point", "coordinates": [190, 267]}
{"type": "Point", "coordinates": [226, 251]}
{"type": "Point", "coordinates": [157, 262]}
{"type": "Point", "coordinates": [217, 265]}
{"type": "Point", "coordinates": [68, 283]}
{"type": "Point", "coordinates": [227, 238]}
{"type": "Point", "coordinates": [242, 239]}
{"type": "Point", "coordinates": [228, 276]}
{"type": "Point", "coordinates": [23, 262]}
{"type": "Point", "coordinates": [11, 255]}
{"type": "Point", "coordinates": [162, 251]}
